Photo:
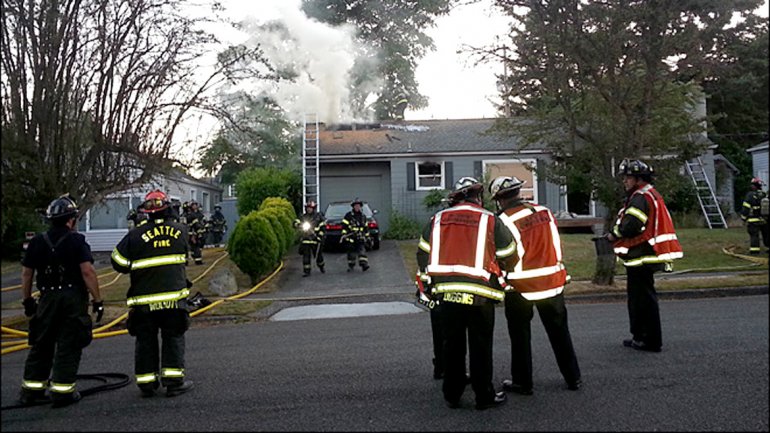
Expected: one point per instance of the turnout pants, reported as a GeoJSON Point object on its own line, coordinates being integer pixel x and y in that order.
{"type": "Point", "coordinates": [195, 247]}
{"type": "Point", "coordinates": [357, 249]}
{"type": "Point", "coordinates": [643, 312]}
{"type": "Point", "coordinates": [151, 362]}
{"type": "Point", "coordinates": [438, 341]}
{"type": "Point", "coordinates": [478, 323]}
{"type": "Point", "coordinates": [58, 332]}
{"type": "Point", "coordinates": [755, 230]}
{"type": "Point", "coordinates": [308, 250]}
{"type": "Point", "coordinates": [553, 314]}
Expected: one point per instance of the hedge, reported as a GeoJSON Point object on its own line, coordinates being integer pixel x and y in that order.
{"type": "Point", "coordinates": [253, 245]}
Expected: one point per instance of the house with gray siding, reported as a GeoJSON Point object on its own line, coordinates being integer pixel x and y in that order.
{"type": "Point", "coordinates": [759, 162]}
{"type": "Point", "coordinates": [105, 224]}
{"type": "Point", "coordinates": [395, 166]}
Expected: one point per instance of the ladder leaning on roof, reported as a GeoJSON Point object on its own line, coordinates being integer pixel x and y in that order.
{"type": "Point", "coordinates": [310, 173]}
{"type": "Point", "coordinates": [706, 198]}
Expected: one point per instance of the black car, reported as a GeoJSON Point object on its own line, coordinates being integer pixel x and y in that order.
{"type": "Point", "coordinates": [334, 213]}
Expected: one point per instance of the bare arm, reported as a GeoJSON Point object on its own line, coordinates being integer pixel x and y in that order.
{"type": "Point", "coordinates": [26, 281]}
{"type": "Point", "coordinates": [92, 283]}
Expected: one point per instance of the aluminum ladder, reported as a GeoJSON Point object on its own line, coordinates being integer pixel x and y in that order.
{"type": "Point", "coordinates": [706, 198]}
{"type": "Point", "coordinates": [311, 187]}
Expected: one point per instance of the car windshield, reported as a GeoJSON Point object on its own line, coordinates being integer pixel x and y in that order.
{"type": "Point", "coordinates": [338, 210]}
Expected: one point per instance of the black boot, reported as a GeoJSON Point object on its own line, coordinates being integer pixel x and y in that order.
{"type": "Point", "coordinates": [179, 388]}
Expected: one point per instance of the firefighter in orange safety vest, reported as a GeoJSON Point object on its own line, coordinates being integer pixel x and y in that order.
{"type": "Point", "coordinates": [457, 257]}
{"type": "Point", "coordinates": [154, 253]}
{"type": "Point", "coordinates": [535, 279]}
{"type": "Point", "coordinates": [644, 239]}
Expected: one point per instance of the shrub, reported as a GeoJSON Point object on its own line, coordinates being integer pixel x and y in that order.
{"type": "Point", "coordinates": [275, 226]}
{"type": "Point", "coordinates": [402, 227]}
{"type": "Point", "coordinates": [16, 222]}
{"type": "Point", "coordinates": [285, 225]}
{"type": "Point", "coordinates": [435, 199]}
{"type": "Point", "coordinates": [255, 185]}
{"type": "Point", "coordinates": [280, 203]}
{"type": "Point", "coordinates": [253, 246]}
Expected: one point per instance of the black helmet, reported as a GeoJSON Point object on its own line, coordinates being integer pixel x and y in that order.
{"type": "Point", "coordinates": [634, 167]}
{"type": "Point", "coordinates": [217, 207]}
{"type": "Point", "coordinates": [505, 185]}
{"type": "Point", "coordinates": [356, 201]}
{"type": "Point", "coordinates": [62, 207]}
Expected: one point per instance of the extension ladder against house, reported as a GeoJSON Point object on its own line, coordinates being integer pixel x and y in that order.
{"type": "Point", "coordinates": [311, 188]}
{"type": "Point", "coordinates": [706, 198]}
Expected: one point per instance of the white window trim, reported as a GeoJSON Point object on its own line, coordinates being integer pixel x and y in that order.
{"type": "Point", "coordinates": [417, 186]}
{"type": "Point", "coordinates": [531, 161]}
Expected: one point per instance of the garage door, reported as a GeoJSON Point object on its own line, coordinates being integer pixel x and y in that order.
{"type": "Point", "coordinates": [369, 188]}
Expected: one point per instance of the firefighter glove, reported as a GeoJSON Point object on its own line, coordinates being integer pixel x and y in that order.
{"type": "Point", "coordinates": [30, 306]}
{"type": "Point", "coordinates": [97, 307]}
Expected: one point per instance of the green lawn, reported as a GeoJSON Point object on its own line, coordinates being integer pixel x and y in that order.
{"type": "Point", "coordinates": [702, 252]}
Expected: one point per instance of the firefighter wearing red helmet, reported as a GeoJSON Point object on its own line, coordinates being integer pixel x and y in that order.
{"type": "Point", "coordinates": [755, 215]}
{"type": "Point", "coordinates": [60, 326]}
{"type": "Point", "coordinates": [312, 228]}
{"type": "Point", "coordinates": [154, 253]}
{"type": "Point", "coordinates": [644, 239]}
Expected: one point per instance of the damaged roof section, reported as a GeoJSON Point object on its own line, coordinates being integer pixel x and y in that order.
{"type": "Point", "coordinates": [428, 136]}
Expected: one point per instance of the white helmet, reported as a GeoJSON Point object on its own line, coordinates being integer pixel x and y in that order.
{"type": "Point", "coordinates": [505, 184]}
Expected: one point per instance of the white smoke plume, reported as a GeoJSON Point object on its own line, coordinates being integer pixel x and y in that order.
{"type": "Point", "coordinates": [319, 56]}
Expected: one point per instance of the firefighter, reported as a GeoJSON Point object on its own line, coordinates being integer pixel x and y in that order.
{"type": "Point", "coordinates": [751, 214]}
{"type": "Point", "coordinates": [312, 226]}
{"type": "Point", "coordinates": [154, 254]}
{"type": "Point", "coordinates": [355, 232]}
{"type": "Point", "coordinates": [535, 279]}
{"type": "Point", "coordinates": [134, 217]}
{"type": "Point", "coordinates": [60, 326]}
{"type": "Point", "coordinates": [197, 230]}
{"type": "Point", "coordinates": [458, 256]}
{"type": "Point", "coordinates": [218, 226]}
{"type": "Point", "coordinates": [644, 239]}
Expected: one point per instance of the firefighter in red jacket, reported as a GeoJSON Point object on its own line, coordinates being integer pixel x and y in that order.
{"type": "Point", "coordinates": [644, 239]}
{"type": "Point", "coordinates": [459, 255]}
{"type": "Point", "coordinates": [535, 279]}
{"type": "Point", "coordinates": [155, 253]}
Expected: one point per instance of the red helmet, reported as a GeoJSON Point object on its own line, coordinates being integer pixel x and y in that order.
{"type": "Point", "coordinates": [758, 182]}
{"type": "Point", "coordinates": [155, 201]}
{"type": "Point", "coordinates": [311, 203]}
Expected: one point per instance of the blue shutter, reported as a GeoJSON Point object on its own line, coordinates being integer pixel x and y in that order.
{"type": "Point", "coordinates": [410, 176]}
{"type": "Point", "coordinates": [449, 177]}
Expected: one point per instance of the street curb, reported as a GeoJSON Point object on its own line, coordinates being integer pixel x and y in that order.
{"type": "Point", "coordinates": [679, 294]}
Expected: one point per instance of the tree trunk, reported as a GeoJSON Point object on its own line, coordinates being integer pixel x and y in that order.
{"type": "Point", "coordinates": [605, 262]}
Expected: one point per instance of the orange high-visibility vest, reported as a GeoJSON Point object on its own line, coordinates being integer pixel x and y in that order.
{"type": "Point", "coordinates": [462, 244]}
{"type": "Point", "coordinates": [539, 272]}
{"type": "Point", "coordinates": [658, 232]}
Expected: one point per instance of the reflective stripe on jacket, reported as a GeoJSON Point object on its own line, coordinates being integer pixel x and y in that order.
{"type": "Point", "coordinates": [539, 271]}
{"type": "Point", "coordinates": [462, 252]}
{"type": "Point", "coordinates": [657, 243]}
{"type": "Point", "coordinates": [154, 253]}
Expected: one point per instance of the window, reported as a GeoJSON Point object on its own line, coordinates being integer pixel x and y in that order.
{"type": "Point", "coordinates": [205, 204]}
{"type": "Point", "coordinates": [430, 175]}
{"type": "Point", "coordinates": [111, 214]}
{"type": "Point", "coordinates": [193, 195]}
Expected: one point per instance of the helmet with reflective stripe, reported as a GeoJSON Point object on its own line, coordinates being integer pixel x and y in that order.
{"type": "Point", "coordinates": [505, 186]}
{"type": "Point", "coordinates": [465, 187]}
{"type": "Point", "coordinates": [155, 201]}
{"type": "Point", "coordinates": [62, 207]}
{"type": "Point", "coordinates": [758, 182]}
{"type": "Point", "coordinates": [634, 167]}
{"type": "Point", "coordinates": [357, 201]}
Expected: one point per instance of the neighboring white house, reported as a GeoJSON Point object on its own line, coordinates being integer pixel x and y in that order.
{"type": "Point", "coordinates": [759, 161]}
{"type": "Point", "coordinates": [105, 224]}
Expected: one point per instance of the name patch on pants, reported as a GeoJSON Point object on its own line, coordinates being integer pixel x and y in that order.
{"type": "Point", "coordinates": [459, 298]}
{"type": "Point", "coordinates": [163, 305]}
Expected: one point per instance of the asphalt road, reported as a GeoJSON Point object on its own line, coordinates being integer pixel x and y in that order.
{"type": "Point", "coordinates": [374, 373]}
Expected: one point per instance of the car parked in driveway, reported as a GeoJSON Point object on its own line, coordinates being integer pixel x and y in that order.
{"type": "Point", "coordinates": [335, 212]}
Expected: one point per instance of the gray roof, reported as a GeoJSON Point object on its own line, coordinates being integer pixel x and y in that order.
{"type": "Point", "coordinates": [760, 146]}
{"type": "Point", "coordinates": [427, 136]}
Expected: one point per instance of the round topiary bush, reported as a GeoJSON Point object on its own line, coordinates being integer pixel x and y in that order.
{"type": "Point", "coordinates": [285, 225]}
{"type": "Point", "coordinates": [281, 203]}
{"type": "Point", "coordinates": [253, 246]}
{"type": "Point", "coordinates": [275, 225]}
